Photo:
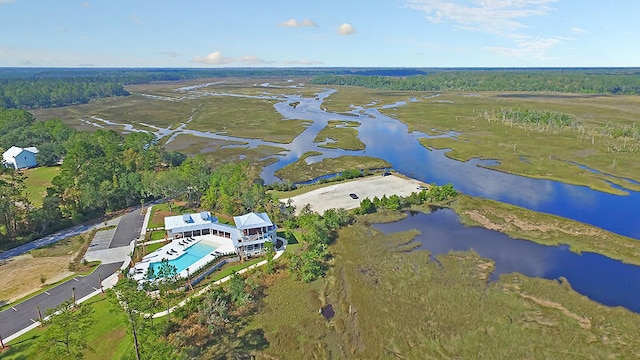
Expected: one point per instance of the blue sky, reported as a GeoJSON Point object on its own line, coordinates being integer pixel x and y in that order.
{"type": "Point", "coordinates": [287, 33]}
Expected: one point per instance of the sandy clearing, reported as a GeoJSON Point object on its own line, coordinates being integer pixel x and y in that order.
{"type": "Point", "coordinates": [337, 195]}
{"type": "Point", "coordinates": [21, 275]}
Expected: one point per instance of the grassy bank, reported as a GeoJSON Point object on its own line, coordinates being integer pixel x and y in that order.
{"type": "Point", "coordinates": [546, 229]}
{"type": "Point", "coordinates": [410, 306]}
{"type": "Point", "coordinates": [300, 171]}
{"type": "Point", "coordinates": [162, 105]}
{"type": "Point", "coordinates": [535, 151]}
{"type": "Point", "coordinates": [340, 135]}
{"type": "Point", "coordinates": [391, 302]}
{"type": "Point", "coordinates": [245, 118]}
{"type": "Point", "coordinates": [347, 97]}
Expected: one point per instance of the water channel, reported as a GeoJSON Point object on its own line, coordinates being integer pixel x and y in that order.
{"type": "Point", "coordinates": [609, 282]}
{"type": "Point", "coordinates": [389, 139]}
{"type": "Point", "coordinates": [605, 280]}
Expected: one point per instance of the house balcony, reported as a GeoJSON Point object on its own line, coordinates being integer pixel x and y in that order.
{"type": "Point", "coordinates": [256, 238]}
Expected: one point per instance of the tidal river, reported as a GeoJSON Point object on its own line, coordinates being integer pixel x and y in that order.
{"type": "Point", "coordinates": [609, 282]}
{"type": "Point", "coordinates": [389, 139]}
{"type": "Point", "coordinates": [600, 278]}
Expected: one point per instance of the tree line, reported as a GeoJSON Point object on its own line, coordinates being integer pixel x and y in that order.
{"type": "Point", "coordinates": [616, 82]}
{"type": "Point", "coordinates": [20, 128]}
{"type": "Point", "coordinates": [105, 171]}
{"type": "Point", "coordinates": [55, 92]}
{"type": "Point", "coordinates": [33, 88]}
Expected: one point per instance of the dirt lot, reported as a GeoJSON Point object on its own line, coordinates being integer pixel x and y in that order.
{"type": "Point", "coordinates": [337, 195]}
{"type": "Point", "coordinates": [21, 275]}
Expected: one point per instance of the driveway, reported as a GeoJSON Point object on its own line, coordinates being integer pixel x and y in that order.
{"type": "Point", "coordinates": [337, 195]}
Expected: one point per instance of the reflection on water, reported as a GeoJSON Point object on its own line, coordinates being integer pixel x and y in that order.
{"type": "Point", "coordinates": [602, 279]}
{"type": "Point", "coordinates": [389, 139]}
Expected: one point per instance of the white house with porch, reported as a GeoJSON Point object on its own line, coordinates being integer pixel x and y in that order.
{"type": "Point", "coordinates": [19, 158]}
{"type": "Point", "coordinates": [248, 236]}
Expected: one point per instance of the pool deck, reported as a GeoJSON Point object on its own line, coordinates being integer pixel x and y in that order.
{"type": "Point", "coordinates": [177, 248]}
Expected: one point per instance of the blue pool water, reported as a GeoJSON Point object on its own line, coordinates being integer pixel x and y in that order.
{"type": "Point", "coordinates": [193, 254]}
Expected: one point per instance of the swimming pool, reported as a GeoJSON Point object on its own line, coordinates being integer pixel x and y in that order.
{"type": "Point", "coordinates": [191, 255]}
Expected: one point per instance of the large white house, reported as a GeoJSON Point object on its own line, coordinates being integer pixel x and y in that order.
{"type": "Point", "coordinates": [249, 234]}
{"type": "Point", "coordinates": [19, 158]}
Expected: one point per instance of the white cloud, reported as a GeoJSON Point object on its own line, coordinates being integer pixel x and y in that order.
{"type": "Point", "coordinates": [6, 1]}
{"type": "Point", "coordinates": [136, 20]}
{"type": "Point", "coordinates": [492, 16]}
{"type": "Point", "coordinates": [216, 58]}
{"type": "Point", "coordinates": [293, 23]}
{"type": "Point", "coordinates": [346, 29]}
{"type": "Point", "coordinates": [86, 5]}
{"type": "Point", "coordinates": [529, 47]}
{"type": "Point", "coordinates": [502, 18]}
{"type": "Point", "coordinates": [577, 30]}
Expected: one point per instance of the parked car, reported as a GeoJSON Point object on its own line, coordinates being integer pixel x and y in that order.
{"type": "Point", "coordinates": [353, 196]}
{"type": "Point", "coordinates": [421, 187]}
{"type": "Point", "coordinates": [386, 173]}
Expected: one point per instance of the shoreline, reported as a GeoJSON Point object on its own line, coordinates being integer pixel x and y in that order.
{"type": "Point", "coordinates": [514, 221]}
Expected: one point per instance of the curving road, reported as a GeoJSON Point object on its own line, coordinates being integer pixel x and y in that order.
{"type": "Point", "coordinates": [23, 315]}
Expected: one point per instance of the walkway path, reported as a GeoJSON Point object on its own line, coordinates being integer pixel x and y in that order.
{"type": "Point", "coordinates": [48, 240]}
{"type": "Point", "coordinates": [215, 283]}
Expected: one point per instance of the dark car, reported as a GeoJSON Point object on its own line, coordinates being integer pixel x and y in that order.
{"type": "Point", "coordinates": [386, 173]}
{"type": "Point", "coordinates": [353, 196]}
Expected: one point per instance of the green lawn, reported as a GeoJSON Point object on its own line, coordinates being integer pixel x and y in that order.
{"type": "Point", "coordinates": [37, 180]}
{"type": "Point", "coordinates": [108, 336]}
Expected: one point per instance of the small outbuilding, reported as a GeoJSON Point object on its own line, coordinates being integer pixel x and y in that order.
{"type": "Point", "coordinates": [20, 158]}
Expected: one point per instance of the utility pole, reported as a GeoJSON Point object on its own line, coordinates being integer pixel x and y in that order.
{"type": "Point", "coordinates": [100, 283]}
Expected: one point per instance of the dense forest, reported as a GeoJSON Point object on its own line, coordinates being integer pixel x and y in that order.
{"type": "Point", "coordinates": [19, 128]}
{"type": "Point", "coordinates": [54, 92]}
{"type": "Point", "coordinates": [105, 171]}
{"type": "Point", "coordinates": [594, 81]}
{"type": "Point", "coordinates": [32, 88]}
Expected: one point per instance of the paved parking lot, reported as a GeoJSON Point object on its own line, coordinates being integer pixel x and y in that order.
{"type": "Point", "coordinates": [337, 195]}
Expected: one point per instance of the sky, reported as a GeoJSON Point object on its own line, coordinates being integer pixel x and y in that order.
{"type": "Point", "coordinates": [320, 33]}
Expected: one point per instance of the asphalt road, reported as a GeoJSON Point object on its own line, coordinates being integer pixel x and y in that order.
{"type": "Point", "coordinates": [25, 313]}
{"type": "Point", "coordinates": [128, 229]}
